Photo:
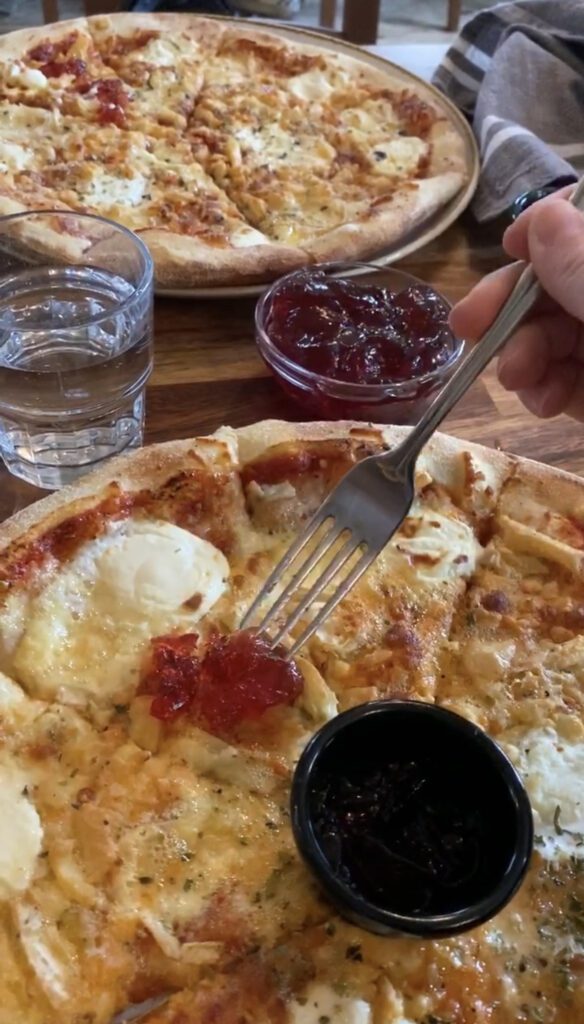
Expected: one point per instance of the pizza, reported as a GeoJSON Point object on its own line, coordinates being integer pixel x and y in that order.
{"type": "Point", "coordinates": [146, 848]}
{"type": "Point", "coordinates": [236, 154]}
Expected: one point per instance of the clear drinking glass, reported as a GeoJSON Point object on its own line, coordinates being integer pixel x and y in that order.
{"type": "Point", "coordinates": [75, 343]}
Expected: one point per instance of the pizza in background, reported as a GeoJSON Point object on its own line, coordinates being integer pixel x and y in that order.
{"type": "Point", "coordinates": [146, 844]}
{"type": "Point", "coordinates": [237, 155]}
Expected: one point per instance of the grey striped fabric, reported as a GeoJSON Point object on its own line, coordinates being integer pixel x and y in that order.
{"type": "Point", "coordinates": [517, 72]}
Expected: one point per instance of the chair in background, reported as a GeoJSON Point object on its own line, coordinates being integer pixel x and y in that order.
{"type": "Point", "coordinates": [51, 8]}
{"type": "Point", "coordinates": [360, 18]}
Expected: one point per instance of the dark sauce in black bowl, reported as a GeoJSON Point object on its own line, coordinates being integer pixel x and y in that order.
{"type": "Point", "coordinates": [417, 813]}
{"type": "Point", "coordinates": [406, 834]}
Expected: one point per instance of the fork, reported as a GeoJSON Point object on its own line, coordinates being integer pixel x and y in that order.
{"type": "Point", "coordinates": [365, 509]}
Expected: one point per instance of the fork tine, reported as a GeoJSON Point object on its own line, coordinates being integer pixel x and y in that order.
{"type": "Point", "coordinates": [356, 572]}
{"type": "Point", "coordinates": [300, 575]}
{"type": "Point", "coordinates": [348, 549]}
{"type": "Point", "coordinates": [277, 573]}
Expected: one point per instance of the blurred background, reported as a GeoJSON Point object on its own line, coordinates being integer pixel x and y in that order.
{"type": "Point", "coordinates": [402, 21]}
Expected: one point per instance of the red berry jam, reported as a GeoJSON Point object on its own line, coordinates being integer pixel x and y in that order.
{"type": "Point", "coordinates": [359, 333]}
{"type": "Point", "coordinates": [234, 679]}
{"type": "Point", "coordinates": [359, 336]}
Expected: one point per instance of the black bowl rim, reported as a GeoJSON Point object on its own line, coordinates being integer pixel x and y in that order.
{"type": "Point", "coordinates": [360, 910]}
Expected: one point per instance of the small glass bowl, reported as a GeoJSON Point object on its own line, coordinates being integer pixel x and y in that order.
{"type": "Point", "coordinates": [475, 772]}
{"type": "Point", "coordinates": [329, 399]}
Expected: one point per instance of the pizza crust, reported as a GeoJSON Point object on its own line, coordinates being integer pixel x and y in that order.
{"type": "Point", "coordinates": [181, 260]}
{"type": "Point", "coordinates": [152, 465]}
{"type": "Point", "coordinates": [389, 222]}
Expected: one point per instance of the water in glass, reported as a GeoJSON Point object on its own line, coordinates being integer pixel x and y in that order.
{"type": "Point", "coordinates": [75, 355]}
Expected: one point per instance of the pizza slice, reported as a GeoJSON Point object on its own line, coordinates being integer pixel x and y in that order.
{"type": "Point", "coordinates": [152, 186]}
{"type": "Point", "coordinates": [521, 629]}
{"type": "Point", "coordinates": [61, 70]}
{"type": "Point", "coordinates": [318, 150]}
{"type": "Point", "coordinates": [290, 182]}
{"type": "Point", "coordinates": [160, 59]}
{"type": "Point", "coordinates": [514, 658]}
{"type": "Point", "coordinates": [385, 637]}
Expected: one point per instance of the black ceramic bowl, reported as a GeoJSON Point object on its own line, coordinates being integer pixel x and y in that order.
{"type": "Point", "coordinates": [412, 819]}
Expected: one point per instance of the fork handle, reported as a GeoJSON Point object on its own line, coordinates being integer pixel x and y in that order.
{"type": "Point", "coordinates": [521, 300]}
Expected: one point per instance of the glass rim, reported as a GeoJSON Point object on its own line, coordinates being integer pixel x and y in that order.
{"type": "Point", "coordinates": [328, 385]}
{"type": "Point", "coordinates": [138, 290]}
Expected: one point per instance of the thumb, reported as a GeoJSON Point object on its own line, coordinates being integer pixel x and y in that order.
{"type": "Point", "coordinates": [556, 249]}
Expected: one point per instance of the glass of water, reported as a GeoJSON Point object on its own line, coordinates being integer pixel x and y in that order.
{"type": "Point", "coordinates": [75, 343]}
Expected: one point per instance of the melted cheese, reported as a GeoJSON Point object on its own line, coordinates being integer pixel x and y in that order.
{"type": "Point", "coordinates": [311, 85]}
{"type": "Point", "coordinates": [86, 632]}
{"type": "Point", "coordinates": [21, 833]}
{"type": "Point", "coordinates": [105, 190]}
{"type": "Point", "coordinates": [366, 120]}
{"type": "Point", "coordinates": [27, 78]}
{"type": "Point", "coordinates": [49, 955]}
{"type": "Point", "coordinates": [399, 156]}
{"type": "Point", "coordinates": [439, 547]}
{"type": "Point", "coordinates": [247, 237]}
{"type": "Point", "coordinates": [157, 567]}
{"type": "Point", "coordinates": [14, 157]}
{"type": "Point", "coordinates": [162, 52]}
{"type": "Point", "coordinates": [553, 770]}
{"type": "Point", "coordinates": [10, 693]}
{"type": "Point", "coordinates": [277, 147]}
{"type": "Point", "coordinates": [321, 1002]}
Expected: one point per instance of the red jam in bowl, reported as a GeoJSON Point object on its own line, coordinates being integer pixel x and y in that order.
{"type": "Point", "coordinates": [344, 347]}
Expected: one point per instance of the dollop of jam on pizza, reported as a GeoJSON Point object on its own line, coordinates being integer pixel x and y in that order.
{"type": "Point", "coordinates": [362, 334]}
{"type": "Point", "coordinates": [234, 679]}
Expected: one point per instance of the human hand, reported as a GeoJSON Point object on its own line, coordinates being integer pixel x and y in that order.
{"type": "Point", "coordinates": [544, 360]}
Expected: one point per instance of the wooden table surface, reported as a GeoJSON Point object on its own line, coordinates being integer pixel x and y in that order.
{"type": "Point", "coordinates": [208, 372]}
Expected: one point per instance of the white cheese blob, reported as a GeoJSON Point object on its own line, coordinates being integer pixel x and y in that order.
{"type": "Point", "coordinates": [110, 190]}
{"type": "Point", "coordinates": [274, 145]}
{"type": "Point", "coordinates": [160, 52]}
{"type": "Point", "coordinates": [321, 1001]}
{"type": "Point", "coordinates": [159, 566]}
{"type": "Point", "coordinates": [440, 547]}
{"type": "Point", "coordinates": [398, 156]}
{"type": "Point", "coordinates": [10, 693]}
{"type": "Point", "coordinates": [21, 833]}
{"type": "Point", "coordinates": [553, 771]}
{"type": "Point", "coordinates": [246, 237]}
{"type": "Point", "coordinates": [312, 85]}
{"type": "Point", "coordinates": [28, 78]}
{"type": "Point", "coordinates": [86, 632]}
{"type": "Point", "coordinates": [14, 157]}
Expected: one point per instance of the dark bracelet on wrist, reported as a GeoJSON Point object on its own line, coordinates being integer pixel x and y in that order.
{"type": "Point", "coordinates": [526, 199]}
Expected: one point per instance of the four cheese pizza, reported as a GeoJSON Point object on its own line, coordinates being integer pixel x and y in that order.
{"type": "Point", "coordinates": [236, 154]}
{"type": "Point", "coordinates": [147, 751]}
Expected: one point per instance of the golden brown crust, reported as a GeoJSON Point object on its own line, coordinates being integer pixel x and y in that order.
{"type": "Point", "coordinates": [388, 222]}
{"type": "Point", "coordinates": [16, 44]}
{"type": "Point", "coordinates": [151, 465]}
{"type": "Point", "coordinates": [181, 260]}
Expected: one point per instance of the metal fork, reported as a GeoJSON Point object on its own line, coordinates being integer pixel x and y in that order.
{"type": "Point", "coordinates": [366, 508]}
